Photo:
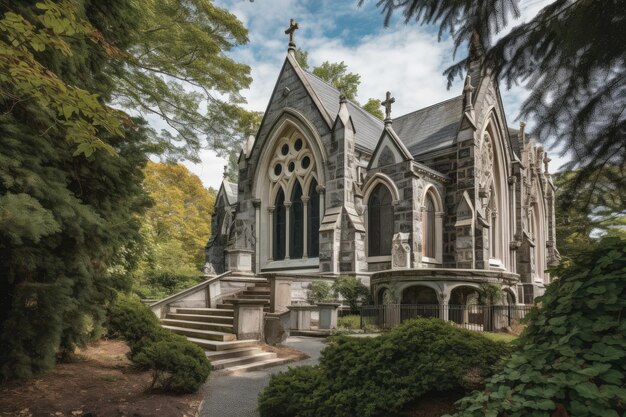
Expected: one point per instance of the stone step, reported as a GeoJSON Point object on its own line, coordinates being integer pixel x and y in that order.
{"type": "Point", "coordinates": [205, 311]}
{"type": "Point", "coordinates": [199, 325]}
{"type": "Point", "coordinates": [214, 345]}
{"type": "Point", "coordinates": [257, 366]}
{"type": "Point", "coordinates": [226, 307]}
{"type": "Point", "coordinates": [201, 318]}
{"type": "Point", "coordinates": [252, 295]}
{"type": "Point", "coordinates": [233, 362]}
{"type": "Point", "coordinates": [202, 334]}
{"type": "Point", "coordinates": [254, 298]}
{"type": "Point", "coordinates": [258, 290]}
{"type": "Point", "coordinates": [311, 333]}
{"type": "Point", "coordinates": [232, 353]}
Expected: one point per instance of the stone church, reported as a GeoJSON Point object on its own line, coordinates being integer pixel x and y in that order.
{"type": "Point", "coordinates": [424, 207]}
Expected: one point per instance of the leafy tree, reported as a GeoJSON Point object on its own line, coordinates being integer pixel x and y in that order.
{"type": "Point", "coordinates": [69, 217]}
{"type": "Point", "coordinates": [567, 55]}
{"type": "Point", "coordinates": [336, 74]}
{"type": "Point", "coordinates": [179, 222]}
{"type": "Point", "coordinates": [302, 57]}
{"type": "Point", "coordinates": [582, 214]}
{"type": "Point", "coordinates": [373, 107]}
{"type": "Point", "coordinates": [570, 359]}
{"type": "Point", "coordinates": [352, 290]}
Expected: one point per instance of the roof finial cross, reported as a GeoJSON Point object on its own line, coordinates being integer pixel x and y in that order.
{"type": "Point", "coordinates": [293, 26]}
{"type": "Point", "coordinates": [387, 104]}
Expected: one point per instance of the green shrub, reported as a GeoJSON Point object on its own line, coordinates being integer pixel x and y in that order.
{"type": "Point", "coordinates": [352, 290]}
{"type": "Point", "coordinates": [135, 323]}
{"type": "Point", "coordinates": [351, 322]}
{"type": "Point", "coordinates": [295, 393]}
{"type": "Point", "coordinates": [380, 375]}
{"type": "Point", "coordinates": [571, 359]}
{"type": "Point", "coordinates": [319, 291]}
{"type": "Point", "coordinates": [177, 365]}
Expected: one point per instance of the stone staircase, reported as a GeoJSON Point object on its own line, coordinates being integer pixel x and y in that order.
{"type": "Point", "coordinates": [212, 329]}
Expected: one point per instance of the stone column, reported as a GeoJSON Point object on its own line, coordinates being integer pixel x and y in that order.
{"type": "Point", "coordinates": [305, 226]}
{"type": "Point", "coordinates": [248, 318]}
{"type": "Point", "coordinates": [328, 315]}
{"type": "Point", "coordinates": [270, 253]}
{"type": "Point", "coordinates": [257, 234]}
{"type": "Point", "coordinates": [444, 309]}
{"type": "Point", "coordinates": [280, 293]}
{"type": "Point", "coordinates": [287, 230]}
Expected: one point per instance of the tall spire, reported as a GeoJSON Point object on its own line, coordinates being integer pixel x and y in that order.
{"type": "Point", "coordinates": [293, 26]}
{"type": "Point", "coordinates": [387, 105]}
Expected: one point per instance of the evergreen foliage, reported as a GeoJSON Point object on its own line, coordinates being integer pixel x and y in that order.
{"type": "Point", "coordinates": [71, 167]}
{"type": "Point", "coordinates": [571, 359]}
{"type": "Point", "coordinates": [379, 376]}
{"type": "Point", "coordinates": [568, 55]}
{"type": "Point", "coordinates": [177, 365]}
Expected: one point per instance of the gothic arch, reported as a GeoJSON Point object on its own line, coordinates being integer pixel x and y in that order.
{"type": "Point", "coordinates": [292, 153]}
{"type": "Point", "coordinates": [380, 178]}
{"type": "Point", "coordinates": [495, 207]}
{"type": "Point", "coordinates": [432, 225]}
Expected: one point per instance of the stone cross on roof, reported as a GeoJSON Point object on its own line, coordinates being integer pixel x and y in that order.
{"type": "Point", "coordinates": [387, 105]}
{"type": "Point", "coordinates": [293, 26]}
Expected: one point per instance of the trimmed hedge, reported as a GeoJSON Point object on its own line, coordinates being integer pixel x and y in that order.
{"type": "Point", "coordinates": [571, 359]}
{"type": "Point", "coordinates": [177, 364]}
{"type": "Point", "coordinates": [377, 376]}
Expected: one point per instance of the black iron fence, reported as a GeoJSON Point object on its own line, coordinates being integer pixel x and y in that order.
{"type": "Point", "coordinates": [473, 317]}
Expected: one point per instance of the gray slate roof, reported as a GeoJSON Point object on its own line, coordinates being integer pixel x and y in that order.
{"type": "Point", "coordinates": [421, 131]}
{"type": "Point", "coordinates": [368, 128]}
{"type": "Point", "coordinates": [431, 128]}
{"type": "Point", "coordinates": [230, 188]}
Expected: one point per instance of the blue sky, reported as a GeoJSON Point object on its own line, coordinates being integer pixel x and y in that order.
{"type": "Point", "coordinates": [404, 59]}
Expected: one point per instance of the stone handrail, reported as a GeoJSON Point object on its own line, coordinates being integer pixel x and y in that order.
{"type": "Point", "coordinates": [161, 306]}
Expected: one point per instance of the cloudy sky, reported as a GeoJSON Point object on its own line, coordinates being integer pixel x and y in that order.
{"type": "Point", "coordinates": [404, 59]}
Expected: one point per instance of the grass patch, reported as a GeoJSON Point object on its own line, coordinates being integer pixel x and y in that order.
{"type": "Point", "coordinates": [500, 337]}
{"type": "Point", "coordinates": [352, 321]}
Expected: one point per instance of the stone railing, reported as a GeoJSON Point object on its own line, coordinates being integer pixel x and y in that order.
{"type": "Point", "coordinates": [205, 294]}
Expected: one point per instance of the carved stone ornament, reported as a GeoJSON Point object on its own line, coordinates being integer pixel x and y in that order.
{"type": "Point", "coordinates": [400, 251]}
{"type": "Point", "coordinates": [209, 269]}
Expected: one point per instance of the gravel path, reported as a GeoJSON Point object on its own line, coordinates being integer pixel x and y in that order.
{"type": "Point", "coordinates": [236, 395]}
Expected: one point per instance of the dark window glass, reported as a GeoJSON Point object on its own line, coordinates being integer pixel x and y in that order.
{"type": "Point", "coordinates": [279, 227]}
{"type": "Point", "coordinates": [428, 228]}
{"type": "Point", "coordinates": [306, 161]}
{"type": "Point", "coordinates": [296, 227]}
{"type": "Point", "coordinates": [298, 144]}
{"type": "Point", "coordinates": [278, 169]}
{"type": "Point", "coordinates": [285, 149]}
{"type": "Point", "coordinates": [380, 222]}
{"type": "Point", "coordinates": [313, 245]}
{"type": "Point", "coordinates": [292, 166]}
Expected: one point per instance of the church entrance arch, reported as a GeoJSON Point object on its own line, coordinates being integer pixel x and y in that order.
{"type": "Point", "coordinates": [419, 301]}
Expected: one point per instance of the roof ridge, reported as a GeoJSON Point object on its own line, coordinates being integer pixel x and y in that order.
{"type": "Point", "coordinates": [362, 110]}
{"type": "Point", "coordinates": [428, 107]}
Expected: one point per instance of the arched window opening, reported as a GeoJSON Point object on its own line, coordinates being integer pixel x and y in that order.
{"type": "Point", "coordinates": [429, 237]}
{"type": "Point", "coordinates": [380, 222]}
{"type": "Point", "coordinates": [313, 232]}
{"type": "Point", "coordinates": [296, 226]}
{"type": "Point", "coordinates": [279, 226]}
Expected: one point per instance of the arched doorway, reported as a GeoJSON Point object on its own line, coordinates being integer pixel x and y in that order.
{"type": "Point", "coordinates": [419, 301]}
{"type": "Point", "coordinates": [464, 308]}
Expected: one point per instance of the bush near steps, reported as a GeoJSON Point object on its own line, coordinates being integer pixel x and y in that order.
{"type": "Point", "coordinates": [177, 364]}
{"type": "Point", "coordinates": [369, 377]}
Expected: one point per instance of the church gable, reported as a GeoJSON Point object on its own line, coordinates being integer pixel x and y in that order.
{"type": "Point", "coordinates": [389, 150]}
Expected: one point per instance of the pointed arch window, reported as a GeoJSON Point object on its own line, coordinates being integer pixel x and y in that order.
{"type": "Point", "coordinates": [296, 223]}
{"type": "Point", "coordinates": [429, 236]}
{"type": "Point", "coordinates": [279, 226]}
{"type": "Point", "coordinates": [313, 232]}
{"type": "Point", "coordinates": [380, 222]}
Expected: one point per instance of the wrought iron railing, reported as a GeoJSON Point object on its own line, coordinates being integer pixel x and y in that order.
{"type": "Point", "coordinates": [473, 316]}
